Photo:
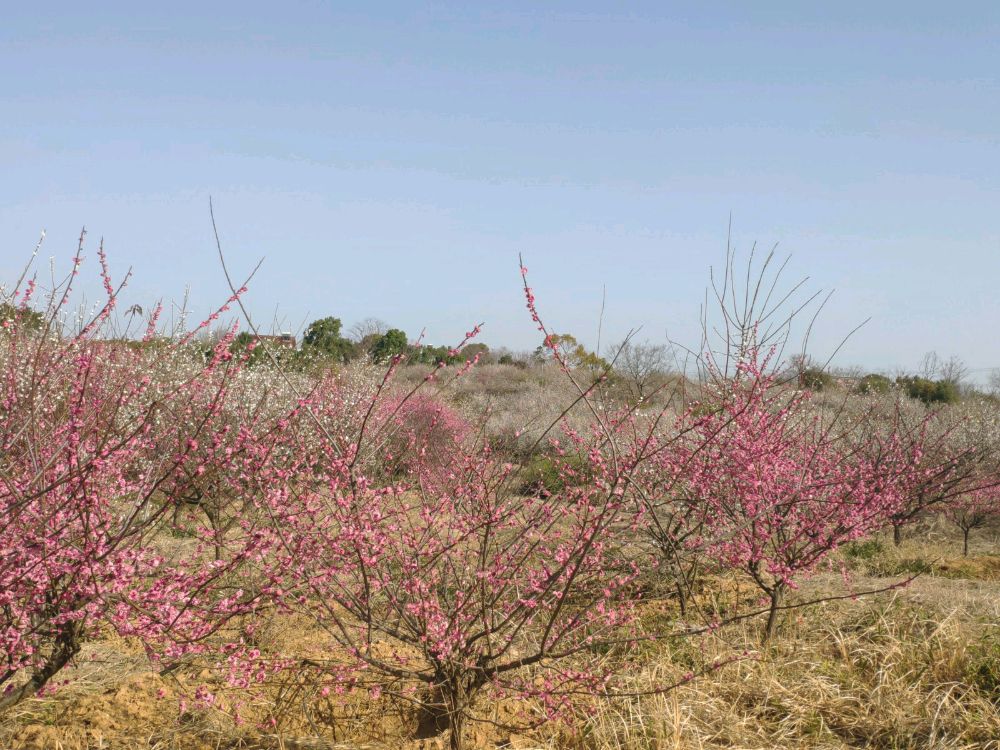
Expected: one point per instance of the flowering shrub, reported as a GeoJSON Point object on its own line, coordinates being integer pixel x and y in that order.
{"type": "Point", "coordinates": [473, 588]}
{"type": "Point", "coordinates": [973, 511]}
{"type": "Point", "coordinates": [419, 433]}
{"type": "Point", "coordinates": [942, 455]}
{"type": "Point", "coordinates": [775, 492]}
{"type": "Point", "coordinates": [443, 582]}
{"type": "Point", "coordinates": [84, 470]}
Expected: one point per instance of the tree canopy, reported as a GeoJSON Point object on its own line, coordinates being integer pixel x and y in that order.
{"type": "Point", "coordinates": [323, 338]}
{"type": "Point", "coordinates": [388, 345]}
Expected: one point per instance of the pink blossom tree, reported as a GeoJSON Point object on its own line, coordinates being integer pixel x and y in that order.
{"type": "Point", "coordinates": [776, 492]}
{"type": "Point", "coordinates": [83, 480]}
{"type": "Point", "coordinates": [941, 456]}
{"type": "Point", "coordinates": [973, 510]}
{"type": "Point", "coordinates": [443, 582]}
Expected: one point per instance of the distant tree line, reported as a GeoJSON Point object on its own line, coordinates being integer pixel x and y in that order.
{"type": "Point", "coordinates": [938, 381]}
{"type": "Point", "coordinates": [641, 367]}
{"type": "Point", "coordinates": [324, 341]}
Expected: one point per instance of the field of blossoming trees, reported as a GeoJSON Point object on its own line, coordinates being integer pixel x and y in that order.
{"type": "Point", "coordinates": [204, 545]}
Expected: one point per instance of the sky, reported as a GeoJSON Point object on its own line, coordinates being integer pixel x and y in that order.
{"type": "Point", "coordinates": [393, 159]}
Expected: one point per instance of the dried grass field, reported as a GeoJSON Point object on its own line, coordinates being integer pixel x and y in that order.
{"type": "Point", "coordinates": [914, 668]}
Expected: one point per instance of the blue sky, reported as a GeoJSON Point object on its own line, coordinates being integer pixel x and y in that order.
{"type": "Point", "coordinates": [393, 159]}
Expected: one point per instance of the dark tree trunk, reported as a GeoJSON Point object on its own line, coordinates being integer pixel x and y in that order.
{"type": "Point", "coordinates": [681, 597]}
{"type": "Point", "coordinates": [455, 738]}
{"type": "Point", "coordinates": [66, 647]}
{"type": "Point", "coordinates": [444, 710]}
{"type": "Point", "coordinates": [433, 720]}
{"type": "Point", "coordinates": [217, 531]}
{"type": "Point", "coordinates": [777, 594]}
{"type": "Point", "coordinates": [897, 534]}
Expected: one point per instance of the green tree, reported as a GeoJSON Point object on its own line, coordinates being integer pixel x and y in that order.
{"type": "Point", "coordinates": [575, 353]}
{"type": "Point", "coordinates": [432, 355]}
{"type": "Point", "coordinates": [471, 350]}
{"type": "Point", "coordinates": [322, 338]}
{"type": "Point", "coordinates": [388, 345]}
{"type": "Point", "coordinates": [29, 320]}
{"type": "Point", "coordinates": [240, 344]}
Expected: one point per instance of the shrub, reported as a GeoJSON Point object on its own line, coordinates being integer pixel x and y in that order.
{"type": "Point", "coordinates": [777, 495]}
{"type": "Point", "coordinates": [815, 379]}
{"type": "Point", "coordinates": [241, 345]}
{"type": "Point", "coordinates": [21, 317]}
{"type": "Point", "coordinates": [552, 474]}
{"type": "Point", "coordinates": [867, 549]}
{"type": "Point", "coordinates": [974, 510]}
{"type": "Point", "coordinates": [418, 433]}
{"type": "Point", "coordinates": [90, 445]}
{"type": "Point", "coordinates": [929, 391]}
{"type": "Point", "coordinates": [874, 383]}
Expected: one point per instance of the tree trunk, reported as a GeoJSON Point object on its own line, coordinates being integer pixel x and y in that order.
{"type": "Point", "coordinates": [681, 597]}
{"type": "Point", "coordinates": [965, 542]}
{"type": "Point", "coordinates": [455, 737]}
{"type": "Point", "coordinates": [456, 700]}
{"type": "Point", "coordinates": [217, 532]}
{"type": "Point", "coordinates": [433, 719]}
{"type": "Point", "coordinates": [897, 534]}
{"type": "Point", "coordinates": [444, 710]}
{"type": "Point", "coordinates": [67, 646]}
{"type": "Point", "coordinates": [777, 594]}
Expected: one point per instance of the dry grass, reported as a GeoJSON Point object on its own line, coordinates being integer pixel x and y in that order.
{"type": "Point", "coordinates": [888, 673]}
{"type": "Point", "coordinates": [906, 670]}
